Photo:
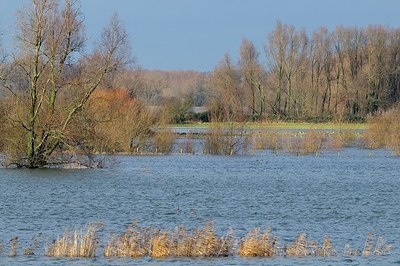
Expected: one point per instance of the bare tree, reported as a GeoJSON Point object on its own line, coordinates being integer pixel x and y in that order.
{"type": "Point", "coordinates": [252, 73]}
{"type": "Point", "coordinates": [50, 42]}
{"type": "Point", "coordinates": [228, 97]}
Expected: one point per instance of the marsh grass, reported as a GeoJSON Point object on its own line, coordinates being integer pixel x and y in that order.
{"type": "Point", "coordinates": [373, 246]}
{"type": "Point", "coordinates": [258, 244]}
{"type": "Point", "coordinates": [76, 244]}
{"type": "Point", "coordinates": [138, 242]}
{"type": "Point", "coordinates": [197, 243]}
{"type": "Point", "coordinates": [14, 247]}
{"type": "Point", "coordinates": [134, 242]}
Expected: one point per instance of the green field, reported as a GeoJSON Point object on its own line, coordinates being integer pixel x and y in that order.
{"type": "Point", "coordinates": [284, 125]}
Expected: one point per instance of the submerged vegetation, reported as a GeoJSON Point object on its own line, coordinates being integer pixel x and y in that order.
{"type": "Point", "coordinates": [137, 242]}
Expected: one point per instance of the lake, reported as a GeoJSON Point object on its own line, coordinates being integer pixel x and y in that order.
{"type": "Point", "coordinates": [344, 197]}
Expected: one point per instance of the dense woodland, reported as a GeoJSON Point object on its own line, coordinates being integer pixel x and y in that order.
{"type": "Point", "coordinates": [57, 97]}
{"type": "Point", "coordinates": [345, 74]}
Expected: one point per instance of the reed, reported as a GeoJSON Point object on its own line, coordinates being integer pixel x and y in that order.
{"type": "Point", "coordinates": [14, 247]}
{"type": "Point", "coordinates": [257, 244]}
{"type": "Point", "coordinates": [138, 242]}
{"type": "Point", "coordinates": [199, 243]}
{"type": "Point", "coordinates": [301, 247]}
{"type": "Point", "coordinates": [76, 244]}
{"type": "Point", "coordinates": [134, 242]}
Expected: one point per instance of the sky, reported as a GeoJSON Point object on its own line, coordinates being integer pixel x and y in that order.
{"type": "Point", "coordinates": [195, 34]}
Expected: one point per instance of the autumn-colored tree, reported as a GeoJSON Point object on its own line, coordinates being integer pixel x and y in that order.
{"type": "Point", "coordinates": [228, 98]}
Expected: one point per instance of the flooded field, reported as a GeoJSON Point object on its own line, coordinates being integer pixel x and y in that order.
{"type": "Point", "coordinates": [344, 197]}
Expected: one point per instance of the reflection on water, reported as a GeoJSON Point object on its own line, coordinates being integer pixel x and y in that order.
{"type": "Point", "coordinates": [343, 197]}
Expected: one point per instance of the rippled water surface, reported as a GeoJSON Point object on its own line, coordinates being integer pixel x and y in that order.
{"type": "Point", "coordinates": [344, 197]}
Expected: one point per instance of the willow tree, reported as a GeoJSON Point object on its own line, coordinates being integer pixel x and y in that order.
{"type": "Point", "coordinates": [59, 77]}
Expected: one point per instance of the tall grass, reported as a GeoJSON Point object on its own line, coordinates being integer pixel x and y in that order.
{"type": "Point", "coordinates": [134, 242]}
{"type": "Point", "coordinates": [77, 244]}
{"type": "Point", "coordinates": [137, 242]}
{"type": "Point", "coordinates": [257, 244]}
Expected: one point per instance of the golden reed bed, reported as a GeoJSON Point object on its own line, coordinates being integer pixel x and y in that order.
{"type": "Point", "coordinates": [137, 241]}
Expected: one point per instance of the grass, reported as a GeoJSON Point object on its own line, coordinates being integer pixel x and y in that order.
{"type": "Point", "coordinates": [76, 244]}
{"type": "Point", "coordinates": [204, 242]}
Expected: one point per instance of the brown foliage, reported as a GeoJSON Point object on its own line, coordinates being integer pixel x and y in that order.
{"type": "Point", "coordinates": [384, 131]}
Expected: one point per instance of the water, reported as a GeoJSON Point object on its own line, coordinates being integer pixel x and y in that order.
{"type": "Point", "coordinates": [344, 197]}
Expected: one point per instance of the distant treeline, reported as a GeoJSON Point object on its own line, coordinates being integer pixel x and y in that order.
{"type": "Point", "coordinates": [344, 74]}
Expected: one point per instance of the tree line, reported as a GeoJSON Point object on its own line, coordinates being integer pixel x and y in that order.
{"type": "Point", "coordinates": [344, 74]}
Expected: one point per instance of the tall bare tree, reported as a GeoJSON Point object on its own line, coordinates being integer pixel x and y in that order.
{"type": "Point", "coordinates": [228, 97]}
{"type": "Point", "coordinates": [50, 42]}
{"type": "Point", "coordinates": [252, 72]}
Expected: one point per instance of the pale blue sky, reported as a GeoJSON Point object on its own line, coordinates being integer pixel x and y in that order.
{"type": "Point", "coordinates": [195, 34]}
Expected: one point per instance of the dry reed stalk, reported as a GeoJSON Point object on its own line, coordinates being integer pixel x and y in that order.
{"type": "Point", "coordinates": [134, 243]}
{"type": "Point", "coordinates": [327, 250]}
{"type": "Point", "coordinates": [368, 245]}
{"type": "Point", "coordinates": [161, 245]}
{"type": "Point", "coordinates": [257, 244]}
{"type": "Point", "coordinates": [376, 247]}
{"type": "Point", "coordinates": [77, 244]}
{"type": "Point", "coordinates": [199, 243]}
{"type": "Point", "coordinates": [298, 247]}
{"type": "Point", "coordinates": [14, 247]}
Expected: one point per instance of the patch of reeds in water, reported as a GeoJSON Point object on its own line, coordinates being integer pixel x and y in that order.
{"type": "Point", "coordinates": [134, 242]}
{"type": "Point", "coordinates": [258, 244]}
{"type": "Point", "coordinates": [137, 242]}
{"type": "Point", "coordinates": [76, 244]}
